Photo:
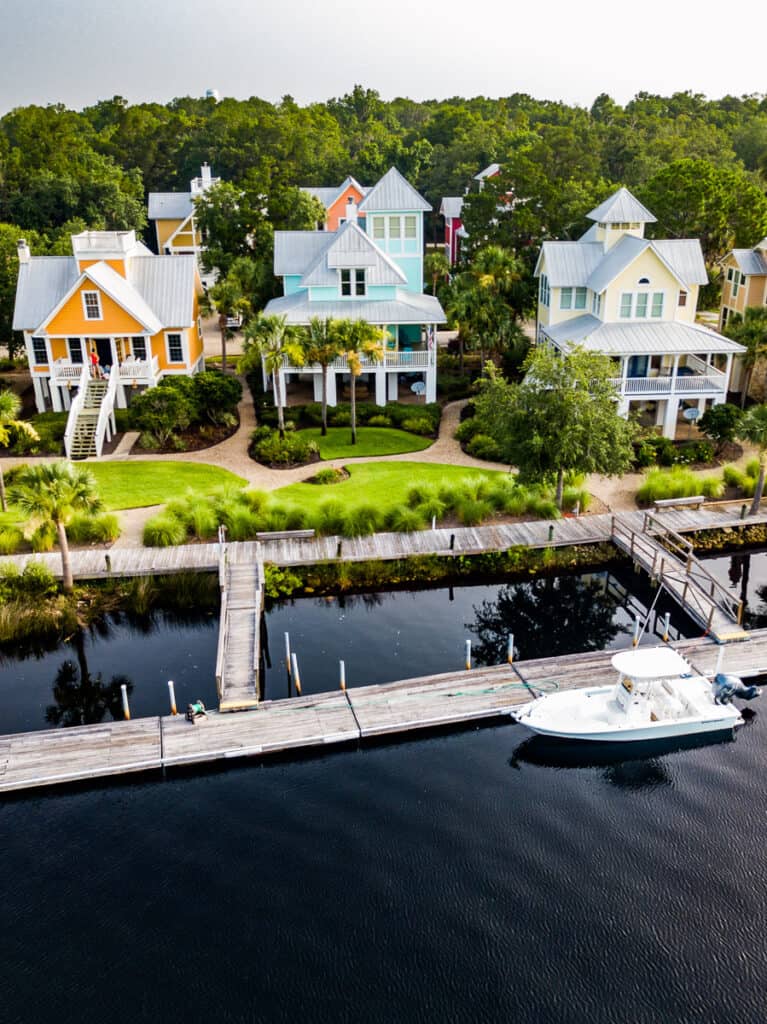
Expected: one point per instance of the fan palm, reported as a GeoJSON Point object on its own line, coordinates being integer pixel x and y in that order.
{"type": "Point", "coordinates": [10, 407]}
{"type": "Point", "coordinates": [322, 346]}
{"type": "Point", "coordinates": [269, 338]}
{"type": "Point", "coordinates": [753, 428]}
{"type": "Point", "coordinates": [360, 341]}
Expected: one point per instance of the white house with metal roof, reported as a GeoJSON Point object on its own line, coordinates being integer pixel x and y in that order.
{"type": "Point", "coordinates": [370, 268]}
{"type": "Point", "coordinates": [634, 299]}
{"type": "Point", "coordinates": [173, 214]}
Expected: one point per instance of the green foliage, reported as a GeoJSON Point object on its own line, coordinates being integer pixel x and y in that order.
{"type": "Point", "coordinates": [294, 449]}
{"type": "Point", "coordinates": [162, 531]}
{"type": "Point", "coordinates": [677, 482]}
{"type": "Point", "coordinates": [467, 429]}
{"type": "Point", "coordinates": [11, 540]}
{"type": "Point", "coordinates": [340, 417]}
{"type": "Point", "coordinates": [379, 421]}
{"type": "Point", "coordinates": [720, 422]}
{"type": "Point", "coordinates": [421, 425]}
{"type": "Point", "coordinates": [473, 511]}
{"type": "Point", "coordinates": [328, 475]}
{"type": "Point", "coordinates": [100, 529]}
{"type": "Point", "coordinates": [405, 520]}
{"type": "Point", "coordinates": [279, 582]}
{"type": "Point", "coordinates": [362, 520]}
{"type": "Point", "coordinates": [162, 411]}
{"type": "Point", "coordinates": [216, 396]}
{"type": "Point", "coordinates": [35, 582]}
{"type": "Point", "coordinates": [483, 447]}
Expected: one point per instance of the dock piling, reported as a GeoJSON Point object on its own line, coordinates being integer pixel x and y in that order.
{"type": "Point", "coordinates": [126, 706]}
{"type": "Point", "coordinates": [719, 660]}
{"type": "Point", "coordinates": [342, 673]}
{"type": "Point", "coordinates": [510, 649]}
{"type": "Point", "coordinates": [637, 628]}
{"type": "Point", "coordinates": [172, 695]}
{"type": "Point", "coordinates": [296, 676]}
{"type": "Point", "coordinates": [666, 624]}
{"type": "Point", "coordinates": [467, 656]}
{"type": "Point", "coordinates": [287, 654]}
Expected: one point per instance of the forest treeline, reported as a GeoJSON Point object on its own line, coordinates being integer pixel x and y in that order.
{"type": "Point", "coordinates": [700, 165]}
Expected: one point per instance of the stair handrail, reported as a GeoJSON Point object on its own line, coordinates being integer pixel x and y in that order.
{"type": "Point", "coordinates": [105, 412]}
{"type": "Point", "coordinates": [75, 409]}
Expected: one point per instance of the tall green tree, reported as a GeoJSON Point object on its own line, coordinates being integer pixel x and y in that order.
{"type": "Point", "coordinates": [436, 268]}
{"type": "Point", "coordinates": [753, 428]}
{"type": "Point", "coordinates": [561, 419]}
{"type": "Point", "coordinates": [322, 345]}
{"type": "Point", "coordinates": [10, 426]}
{"type": "Point", "coordinates": [751, 331]}
{"type": "Point", "coordinates": [52, 494]}
{"type": "Point", "coordinates": [268, 338]}
{"type": "Point", "coordinates": [226, 299]}
{"type": "Point", "coordinates": [360, 342]}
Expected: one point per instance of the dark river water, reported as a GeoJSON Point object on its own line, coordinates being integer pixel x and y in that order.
{"type": "Point", "coordinates": [472, 876]}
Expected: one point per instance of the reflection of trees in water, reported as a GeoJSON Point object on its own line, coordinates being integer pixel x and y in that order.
{"type": "Point", "coordinates": [83, 699]}
{"type": "Point", "coordinates": [548, 616]}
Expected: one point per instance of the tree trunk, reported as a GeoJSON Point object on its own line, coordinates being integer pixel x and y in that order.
{"type": "Point", "coordinates": [759, 483]}
{"type": "Point", "coordinates": [324, 400]}
{"type": "Point", "coordinates": [278, 400]}
{"type": "Point", "coordinates": [560, 488]}
{"type": "Point", "coordinates": [222, 327]}
{"type": "Point", "coordinates": [66, 564]}
{"type": "Point", "coordinates": [746, 386]}
{"type": "Point", "coordinates": [460, 352]}
{"type": "Point", "coordinates": [354, 409]}
{"type": "Point", "coordinates": [3, 502]}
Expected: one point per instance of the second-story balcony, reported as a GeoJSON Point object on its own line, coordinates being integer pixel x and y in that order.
{"type": "Point", "coordinates": [400, 359]}
{"type": "Point", "coordinates": [144, 372]}
{"type": "Point", "coordinates": [693, 377]}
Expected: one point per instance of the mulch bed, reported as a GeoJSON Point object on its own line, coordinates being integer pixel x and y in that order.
{"type": "Point", "coordinates": [193, 442]}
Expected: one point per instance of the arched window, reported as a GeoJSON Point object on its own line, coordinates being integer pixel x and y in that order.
{"type": "Point", "coordinates": [644, 280]}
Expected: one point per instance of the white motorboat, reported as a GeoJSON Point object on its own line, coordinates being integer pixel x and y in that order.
{"type": "Point", "coordinates": [657, 695]}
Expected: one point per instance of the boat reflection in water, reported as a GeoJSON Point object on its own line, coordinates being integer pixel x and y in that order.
{"type": "Point", "coordinates": [636, 767]}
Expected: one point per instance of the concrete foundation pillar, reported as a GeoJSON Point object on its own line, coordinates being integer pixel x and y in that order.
{"type": "Point", "coordinates": [121, 399]}
{"type": "Point", "coordinates": [380, 376]}
{"type": "Point", "coordinates": [332, 390]}
{"type": "Point", "coordinates": [56, 398]}
{"type": "Point", "coordinates": [431, 384]}
{"type": "Point", "coordinates": [317, 386]}
{"type": "Point", "coordinates": [669, 420]}
{"type": "Point", "coordinates": [37, 384]}
{"type": "Point", "coordinates": [392, 386]}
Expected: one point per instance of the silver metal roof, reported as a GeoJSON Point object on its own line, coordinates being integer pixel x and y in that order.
{"type": "Point", "coordinates": [42, 284]}
{"type": "Point", "coordinates": [750, 261]}
{"type": "Point", "coordinates": [168, 284]}
{"type": "Point", "coordinates": [451, 206]}
{"type": "Point", "coordinates": [488, 172]}
{"type": "Point", "coordinates": [407, 308]}
{"type": "Point", "coordinates": [170, 205]}
{"type": "Point", "coordinates": [569, 264]}
{"type": "Point", "coordinates": [590, 235]}
{"type": "Point", "coordinates": [639, 337]}
{"type": "Point", "coordinates": [393, 192]}
{"type": "Point", "coordinates": [621, 207]}
{"type": "Point", "coordinates": [295, 251]}
{"type": "Point", "coordinates": [685, 256]}
{"type": "Point", "coordinates": [328, 195]}
{"type": "Point", "coordinates": [351, 247]}
{"type": "Point", "coordinates": [615, 261]}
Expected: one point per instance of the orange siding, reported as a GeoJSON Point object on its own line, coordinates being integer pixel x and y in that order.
{"type": "Point", "coordinates": [337, 210]}
{"type": "Point", "coordinates": [117, 265]}
{"type": "Point", "coordinates": [70, 319]}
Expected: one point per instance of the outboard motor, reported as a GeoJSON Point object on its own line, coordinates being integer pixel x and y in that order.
{"type": "Point", "coordinates": [726, 687]}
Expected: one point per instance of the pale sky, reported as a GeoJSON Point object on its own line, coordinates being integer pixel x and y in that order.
{"type": "Point", "coordinates": [78, 51]}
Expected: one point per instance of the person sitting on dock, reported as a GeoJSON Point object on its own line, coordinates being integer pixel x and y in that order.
{"type": "Point", "coordinates": [194, 711]}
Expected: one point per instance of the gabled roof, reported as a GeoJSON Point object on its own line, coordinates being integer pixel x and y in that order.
{"type": "Point", "coordinates": [327, 196]}
{"type": "Point", "coordinates": [451, 207]}
{"type": "Point", "coordinates": [170, 205]}
{"type": "Point", "coordinates": [351, 247]}
{"type": "Point", "coordinates": [295, 251]}
{"type": "Point", "coordinates": [750, 261]}
{"type": "Point", "coordinates": [569, 264]}
{"type": "Point", "coordinates": [158, 292]}
{"type": "Point", "coordinates": [393, 192]}
{"type": "Point", "coordinates": [590, 235]}
{"type": "Point", "coordinates": [488, 172]}
{"type": "Point", "coordinates": [638, 337]}
{"type": "Point", "coordinates": [685, 256]}
{"type": "Point", "coordinates": [621, 207]}
{"type": "Point", "coordinates": [406, 308]}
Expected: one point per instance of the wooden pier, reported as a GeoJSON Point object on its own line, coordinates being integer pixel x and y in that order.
{"type": "Point", "coordinates": [239, 647]}
{"type": "Point", "coordinates": [56, 756]}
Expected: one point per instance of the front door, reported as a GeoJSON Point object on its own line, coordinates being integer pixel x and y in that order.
{"type": "Point", "coordinates": [638, 366]}
{"type": "Point", "coordinates": [104, 349]}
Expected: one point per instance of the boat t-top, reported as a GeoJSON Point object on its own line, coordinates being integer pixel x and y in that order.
{"type": "Point", "coordinates": [657, 695]}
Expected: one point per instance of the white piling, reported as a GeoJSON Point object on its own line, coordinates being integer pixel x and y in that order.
{"type": "Point", "coordinates": [172, 695]}
{"type": "Point", "coordinates": [126, 708]}
{"type": "Point", "coordinates": [296, 676]}
{"type": "Point", "coordinates": [467, 657]}
{"type": "Point", "coordinates": [342, 673]}
{"type": "Point", "coordinates": [637, 628]}
{"type": "Point", "coordinates": [287, 653]}
{"type": "Point", "coordinates": [719, 659]}
{"type": "Point", "coordinates": [434, 522]}
{"type": "Point", "coordinates": [666, 624]}
{"type": "Point", "coordinates": [510, 649]}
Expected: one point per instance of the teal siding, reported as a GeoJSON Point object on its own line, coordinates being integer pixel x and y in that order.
{"type": "Point", "coordinates": [322, 294]}
{"type": "Point", "coordinates": [382, 291]}
{"type": "Point", "coordinates": [291, 285]}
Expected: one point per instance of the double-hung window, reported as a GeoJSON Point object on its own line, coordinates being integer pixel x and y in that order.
{"type": "Point", "coordinates": [39, 351]}
{"type": "Point", "coordinates": [379, 229]}
{"type": "Point", "coordinates": [92, 305]}
{"type": "Point", "coordinates": [657, 305]}
{"type": "Point", "coordinates": [682, 298]}
{"type": "Point", "coordinates": [75, 350]}
{"type": "Point", "coordinates": [138, 346]}
{"type": "Point", "coordinates": [627, 302]}
{"type": "Point", "coordinates": [580, 298]}
{"type": "Point", "coordinates": [410, 226]}
{"type": "Point", "coordinates": [394, 227]}
{"type": "Point", "coordinates": [640, 309]}
{"type": "Point", "coordinates": [544, 293]}
{"type": "Point", "coordinates": [352, 282]}
{"type": "Point", "coordinates": [566, 298]}
{"type": "Point", "coordinates": [175, 348]}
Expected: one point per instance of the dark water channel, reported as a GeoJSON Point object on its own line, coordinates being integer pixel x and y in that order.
{"type": "Point", "coordinates": [472, 876]}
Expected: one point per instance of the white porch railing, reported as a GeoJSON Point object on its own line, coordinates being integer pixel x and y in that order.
{"type": "Point", "coordinates": [76, 408]}
{"type": "Point", "coordinates": [105, 424]}
{"type": "Point", "coordinates": [699, 366]}
{"type": "Point", "coordinates": [651, 386]}
{"type": "Point", "coordinates": [421, 359]}
{"type": "Point", "coordinates": [142, 370]}
{"type": "Point", "coordinates": [64, 370]}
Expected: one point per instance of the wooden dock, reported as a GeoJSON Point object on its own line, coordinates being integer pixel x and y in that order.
{"type": "Point", "coordinates": [239, 646]}
{"type": "Point", "coordinates": [58, 756]}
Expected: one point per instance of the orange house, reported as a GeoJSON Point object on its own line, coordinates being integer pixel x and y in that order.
{"type": "Point", "coordinates": [114, 308]}
{"type": "Point", "coordinates": [337, 200]}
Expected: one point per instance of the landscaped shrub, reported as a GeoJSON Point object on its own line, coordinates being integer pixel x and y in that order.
{"type": "Point", "coordinates": [330, 518]}
{"type": "Point", "coordinates": [677, 483]}
{"type": "Point", "coordinates": [572, 496]}
{"type": "Point", "coordinates": [544, 508]}
{"type": "Point", "coordinates": [483, 447]}
{"type": "Point", "coordinates": [473, 511]}
{"type": "Point", "coordinates": [340, 418]}
{"type": "Point", "coordinates": [292, 450]}
{"type": "Point", "coordinates": [328, 475]}
{"type": "Point", "coordinates": [216, 396]}
{"type": "Point", "coordinates": [99, 529]}
{"type": "Point", "coordinates": [44, 538]}
{"type": "Point", "coordinates": [733, 476]}
{"type": "Point", "coordinates": [297, 519]}
{"type": "Point", "coordinates": [695, 451]}
{"type": "Point", "coordinates": [37, 579]}
{"type": "Point", "coordinates": [362, 520]}
{"type": "Point", "coordinates": [162, 531]}
{"type": "Point", "coordinates": [256, 500]}
{"type": "Point", "coordinates": [404, 520]}
{"type": "Point", "coordinates": [201, 520]}
{"type": "Point", "coordinates": [466, 430]}
{"type": "Point", "coordinates": [379, 421]}
{"type": "Point", "coordinates": [10, 541]}
{"type": "Point", "coordinates": [421, 492]}
{"type": "Point", "coordinates": [431, 508]}
{"type": "Point", "coordinates": [421, 425]}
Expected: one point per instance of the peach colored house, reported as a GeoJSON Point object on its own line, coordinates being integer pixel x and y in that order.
{"type": "Point", "coordinates": [744, 281]}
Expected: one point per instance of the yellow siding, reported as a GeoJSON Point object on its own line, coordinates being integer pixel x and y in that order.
{"type": "Point", "coordinates": [117, 265]}
{"type": "Point", "coordinates": [558, 315]}
{"type": "Point", "coordinates": [70, 320]}
{"type": "Point", "coordinates": [165, 229]}
{"type": "Point", "coordinates": [645, 265]}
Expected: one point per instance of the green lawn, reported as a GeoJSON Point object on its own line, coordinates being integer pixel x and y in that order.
{"type": "Point", "coordinates": [370, 441]}
{"type": "Point", "coordinates": [136, 484]}
{"type": "Point", "coordinates": [384, 484]}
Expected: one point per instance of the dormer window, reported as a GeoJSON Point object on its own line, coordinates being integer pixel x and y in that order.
{"type": "Point", "coordinates": [352, 282]}
{"type": "Point", "coordinates": [92, 305]}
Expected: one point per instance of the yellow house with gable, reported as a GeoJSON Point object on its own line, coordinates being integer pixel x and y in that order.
{"type": "Point", "coordinates": [635, 299]}
{"type": "Point", "coordinates": [113, 310]}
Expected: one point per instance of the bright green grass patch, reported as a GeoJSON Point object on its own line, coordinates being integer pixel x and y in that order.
{"type": "Point", "coordinates": [677, 482]}
{"type": "Point", "coordinates": [136, 484]}
{"type": "Point", "coordinates": [384, 484]}
{"type": "Point", "coordinates": [370, 441]}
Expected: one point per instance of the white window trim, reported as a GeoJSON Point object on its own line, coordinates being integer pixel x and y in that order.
{"type": "Point", "coordinates": [147, 345]}
{"type": "Point", "coordinates": [569, 298]}
{"type": "Point", "coordinates": [353, 293]}
{"type": "Point", "coordinates": [184, 349]}
{"type": "Point", "coordinates": [544, 296]}
{"type": "Point", "coordinates": [32, 357]}
{"type": "Point", "coordinates": [82, 351]}
{"type": "Point", "coordinates": [630, 314]}
{"type": "Point", "coordinates": [92, 319]}
{"type": "Point", "coordinates": [585, 291]}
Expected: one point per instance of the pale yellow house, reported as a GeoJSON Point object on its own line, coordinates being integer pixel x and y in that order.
{"type": "Point", "coordinates": [112, 299]}
{"type": "Point", "coordinates": [635, 299]}
{"type": "Point", "coordinates": [744, 281]}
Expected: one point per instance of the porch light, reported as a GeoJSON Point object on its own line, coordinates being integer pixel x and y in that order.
{"type": "Point", "coordinates": [134, 383]}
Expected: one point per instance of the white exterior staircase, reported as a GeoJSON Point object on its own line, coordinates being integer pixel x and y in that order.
{"type": "Point", "coordinates": [91, 417]}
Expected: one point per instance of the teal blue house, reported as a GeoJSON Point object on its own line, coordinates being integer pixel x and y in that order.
{"type": "Point", "coordinates": [370, 268]}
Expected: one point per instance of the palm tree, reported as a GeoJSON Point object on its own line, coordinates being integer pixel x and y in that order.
{"type": "Point", "coordinates": [225, 298]}
{"type": "Point", "coordinates": [753, 428]}
{"type": "Point", "coordinates": [436, 267]}
{"type": "Point", "coordinates": [359, 340]}
{"type": "Point", "coordinates": [269, 338]}
{"type": "Point", "coordinates": [750, 331]}
{"type": "Point", "coordinates": [10, 407]}
{"type": "Point", "coordinates": [322, 346]}
{"type": "Point", "coordinates": [52, 494]}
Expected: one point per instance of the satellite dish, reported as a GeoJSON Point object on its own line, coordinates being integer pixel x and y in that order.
{"type": "Point", "coordinates": [692, 414]}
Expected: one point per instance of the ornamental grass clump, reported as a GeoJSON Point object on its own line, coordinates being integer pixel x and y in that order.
{"type": "Point", "coordinates": [164, 531]}
{"type": "Point", "coordinates": [98, 529]}
{"type": "Point", "coordinates": [362, 520]}
{"type": "Point", "coordinates": [402, 519]}
{"type": "Point", "coordinates": [10, 541]}
{"type": "Point", "coordinates": [330, 518]}
{"type": "Point", "coordinates": [678, 482]}
{"type": "Point", "coordinates": [473, 511]}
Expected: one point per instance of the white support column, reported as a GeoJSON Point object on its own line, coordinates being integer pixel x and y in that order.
{"type": "Point", "coordinates": [669, 420]}
{"type": "Point", "coordinates": [56, 398]}
{"type": "Point", "coordinates": [660, 414]}
{"type": "Point", "coordinates": [66, 397]}
{"type": "Point", "coordinates": [380, 376]}
{"type": "Point", "coordinates": [431, 384]}
{"type": "Point", "coordinates": [701, 405]}
{"type": "Point", "coordinates": [37, 384]}
{"type": "Point", "coordinates": [392, 386]}
{"type": "Point", "coordinates": [332, 390]}
{"type": "Point", "coordinates": [728, 374]}
{"type": "Point", "coordinates": [317, 386]}
{"type": "Point", "coordinates": [121, 397]}
{"type": "Point", "coordinates": [623, 407]}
